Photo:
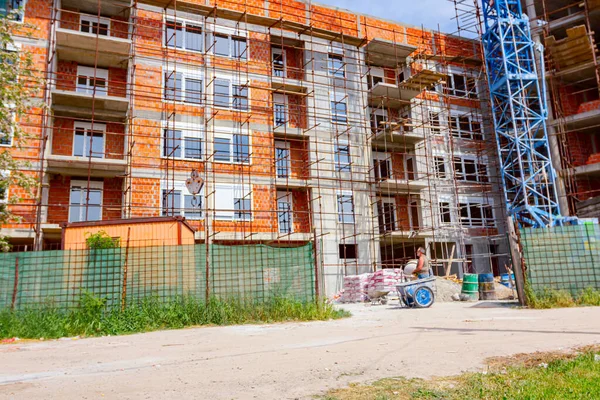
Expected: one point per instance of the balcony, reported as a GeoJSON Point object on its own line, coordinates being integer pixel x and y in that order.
{"type": "Point", "coordinates": [397, 136]}
{"type": "Point", "coordinates": [85, 105]}
{"type": "Point", "coordinates": [97, 167]}
{"type": "Point", "coordinates": [85, 92]}
{"type": "Point", "coordinates": [385, 53]}
{"type": "Point", "coordinates": [394, 185]}
{"type": "Point", "coordinates": [405, 236]}
{"type": "Point", "coordinates": [397, 95]}
{"type": "Point", "coordinates": [84, 38]}
{"type": "Point", "coordinates": [587, 116]}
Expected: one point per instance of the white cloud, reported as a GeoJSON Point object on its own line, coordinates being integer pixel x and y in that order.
{"type": "Point", "coordinates": [431, 14]}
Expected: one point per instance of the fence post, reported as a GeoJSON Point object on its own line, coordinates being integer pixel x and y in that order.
{"type": "Point", "coordinates": [208, 254]}
{"type": "Point", "coordinates": [515, 252]}
{"type": "Point", "coordinates": [316, 262]}
{"type": "Point", "coordinates": [124, 294]}
{"type": "Point", "coordinates": [16, 285]}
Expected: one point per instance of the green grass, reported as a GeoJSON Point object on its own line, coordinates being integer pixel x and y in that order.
{"type": "Point", "coordinates": [551, 298]}
{"type": "Point", "coordinates": [93, 318]}
{"type": "Point", "coordinates": [564, 377]}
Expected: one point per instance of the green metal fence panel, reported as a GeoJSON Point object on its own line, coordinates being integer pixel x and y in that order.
{"type": "Point", "coordinates": [127, 276]}
{"type": "Point", "coordinates": [7, 279]}
{"type": "Point", "coordinates": [565, 257]}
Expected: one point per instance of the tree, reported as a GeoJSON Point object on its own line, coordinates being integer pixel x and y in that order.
{"type": "Point", "coordinates": [19, 86]}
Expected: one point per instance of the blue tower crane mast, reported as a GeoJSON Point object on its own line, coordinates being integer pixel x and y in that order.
{"type": "Point", "coordinates": [519, 111]}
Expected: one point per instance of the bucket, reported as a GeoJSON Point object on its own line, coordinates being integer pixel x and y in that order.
{"type": "Point", "coordinates": [469, 286]}
{"type": "Point", "coordinates": [506, 281]}
{"type": "Point", "coordinates": [487, 289]}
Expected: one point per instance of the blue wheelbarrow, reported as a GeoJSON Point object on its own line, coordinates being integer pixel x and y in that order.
{"type": "Point", "coordinates": [418, 293]}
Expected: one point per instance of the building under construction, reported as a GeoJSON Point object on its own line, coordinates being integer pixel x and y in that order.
{"type": "Point", "coordinates": [368, 138]}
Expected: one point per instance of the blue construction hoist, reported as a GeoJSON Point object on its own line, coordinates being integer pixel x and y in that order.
{"type": "Point", "coordinates": [520, 113]}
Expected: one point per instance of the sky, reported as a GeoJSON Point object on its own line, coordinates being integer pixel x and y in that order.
{"type": "Point", "coordinates": [427, 13]}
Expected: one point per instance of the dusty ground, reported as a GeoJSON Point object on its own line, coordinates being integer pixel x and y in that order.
{"type": "Point", "coordinates": [288, 361]}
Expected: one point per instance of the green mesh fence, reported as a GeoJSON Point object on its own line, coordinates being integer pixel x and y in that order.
{"type": "Point", "coordinates": [566, 257]}
{"type": "Point", "coordinates": [125, 276]}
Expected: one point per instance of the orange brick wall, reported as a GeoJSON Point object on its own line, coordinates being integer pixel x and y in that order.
{"type": "Point", "coordinates": [299, 159]}
{"type": "Point", "coordinates": [402, 213]}
{"type": "Point", "coordinates": [26, 208]}
{"type": "Point", "coordinates": [397, 165]}
{"type": "Point", "coordinates": [580, 147]}
{"type": "Point", "coordinates": [145, 197]}
{"type": "Point", "coordinates": [301, 209]}
{"type": "Point", "coordinates": [294, 63]}
{"type": "Point", "coordinates": [297, 112]}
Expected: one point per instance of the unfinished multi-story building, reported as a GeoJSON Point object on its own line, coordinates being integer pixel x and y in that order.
{"type": "Point", "coordinates": [307, 123]}
{"type": "Point", "coordinates": [568, 31]}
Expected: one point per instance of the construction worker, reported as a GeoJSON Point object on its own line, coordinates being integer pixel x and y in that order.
{"type": "Point", "coordinates": [422, 270]}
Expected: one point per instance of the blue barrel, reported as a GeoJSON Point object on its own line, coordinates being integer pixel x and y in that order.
{"type": "Point", "coordinates": [505, 279]}
{"type": "Point", "coordinates": [487, 288]}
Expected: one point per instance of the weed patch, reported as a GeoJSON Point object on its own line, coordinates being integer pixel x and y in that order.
{"type": "Point", "coordinates": [94, 318]}
{"type": "Point", "coordinates": [559, 376]}
{"type": "Point", "coordinates": [552, 298]}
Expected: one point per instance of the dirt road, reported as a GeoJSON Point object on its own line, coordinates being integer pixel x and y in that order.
{"type": "Point", "coordinates": [287, 361]}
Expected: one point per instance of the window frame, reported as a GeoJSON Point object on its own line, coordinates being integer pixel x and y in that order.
{"type": "Point", "coordinates": [180, 97]}
{"type": "Point", "coordinates": [184, 23]}
{"type": "Point", "coordinates": [451, 90]}
{"type": "Point", "coordinates": [188, 131]}
{"type": "Point", "coordinates": [335, 99]}
{"type": "Point", "coordinates": [91, 73]}
{"type": "Point", "coordinates": [87, 126]}
{"type": "Point", "coordinates": [234, 189]}
{"type": "Point", "coordinates": [345, 251]}
{"type": "Point", "coordinates": [230, 136]}
{"type": "Point", "coordinates": [179, 186]}
{"type": "Point", "coordinates": [486, 221]}
{"type": "Point", "coordinates": [339, 166]}
{"type": "Point", "coordinates": [283, 145]}
{"type": "Point", "coordinates": [437, 162]}
{"type": "Point", "coordinates": [445, 209]}
{"type": "Point", "coordinates": [435, 116]}
{"type": "Point", "coordinates": [376, 127]}
{"type": "Point", "coordinates": [479, 176]}
{"type": "Point", "coordinates": [457, 131]}
{"type": "Point", "coordinates": [375, 72]}
{"type": "Point", "coordinates": [280, 100]}
{"type": "Point", "coordinates": [381, 203]}
{"type": "Point", "coordinates": [378, 159]}
{"type": "Point", "coordinates": [94, 19]}
{"type": "Point", "coordinates": [97, 186]}
{"type": "Point", "coordinates": [340, 72]}
{"type": "Point", "coordinates": [342, 218]}
{"type": "Point", "coordinates": [289, 200]}
{"type": "Point", "coordinates": [274, 50]}
{"type": "Point", "coordinates": [231, 96]}
{"type": "Point", "coordinates": [10, 135]}
{"type": "Point", "coordinates": [232, 36]}
{"type": "Point", "coordinates": [4, 191]}
{"type": "Point", "coordinates": [20, 15]}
